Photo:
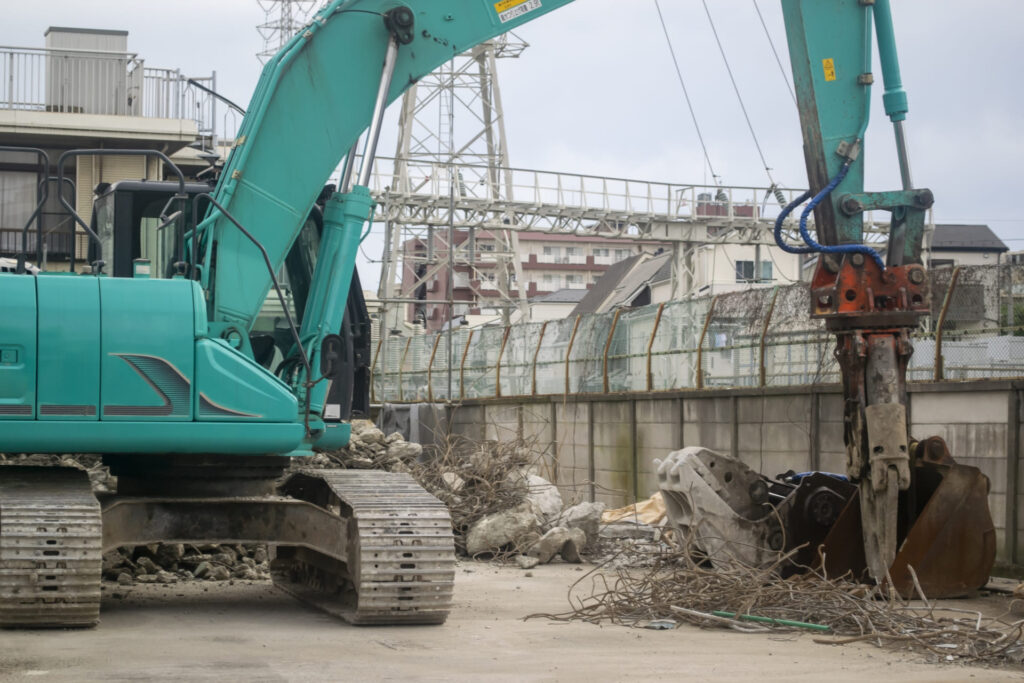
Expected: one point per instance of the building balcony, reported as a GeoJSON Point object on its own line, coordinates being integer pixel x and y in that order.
{"type": "Point", "coordinates": [71, 93]}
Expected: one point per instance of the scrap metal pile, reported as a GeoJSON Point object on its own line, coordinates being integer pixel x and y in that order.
{"type": "Point", "coordinates": [754, 554]}
{"type": "Point", "coordinates": [681, 586]}
{"type": "Point", "coordinates": [942, 527]}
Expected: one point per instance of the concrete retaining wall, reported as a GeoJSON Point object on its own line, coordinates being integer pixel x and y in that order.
{"type": "Point", "coordinates": [603, 447]}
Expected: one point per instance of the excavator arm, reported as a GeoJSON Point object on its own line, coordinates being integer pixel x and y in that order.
{"type": "Point", "coordinates": [313, 101]}
{"type": "Point", "coordinates": [870, 303]}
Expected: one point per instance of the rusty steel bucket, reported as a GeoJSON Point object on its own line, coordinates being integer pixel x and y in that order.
{"type": "Point", "coordinates": [946, 533]}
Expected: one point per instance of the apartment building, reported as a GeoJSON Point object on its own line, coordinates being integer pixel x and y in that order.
{"type": "Point", "coordinates": [85, 90]}
{"type": "Point", "coordinates": [549, 263]}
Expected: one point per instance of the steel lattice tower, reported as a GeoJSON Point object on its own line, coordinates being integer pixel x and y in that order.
{"type": "Point", "coordinates": [452, 138]}
{"type": "Point", "coordinates": [283, 20]}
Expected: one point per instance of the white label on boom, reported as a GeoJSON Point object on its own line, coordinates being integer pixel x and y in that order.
{"type": "Point", "coordinates": [515, 9]}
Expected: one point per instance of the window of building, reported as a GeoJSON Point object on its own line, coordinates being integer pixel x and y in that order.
{"type": "Point", "coordinates": [485, 246]}
{"type": "Point", "coordinates": [549, 280]}
{"type": "Point", "coordinates": [552, 251]}
{"type": "Point", "coordinates": [621, 254]}
{"type": "Point", "coordinates": [940, 263]}
{"type": "Point", "coordinates": [745, 271]}
{"type": "Point", "coordinates": [572, 251]}
{"type": "Point", "coordinates": [572, 279]}
{"type": "Point", "coordinates": [602, 252]}
{"type": "Point", "coordinates": [17, 201]}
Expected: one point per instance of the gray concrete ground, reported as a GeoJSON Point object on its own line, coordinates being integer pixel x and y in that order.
{"type": "Point", "coordinates": [250, 632]}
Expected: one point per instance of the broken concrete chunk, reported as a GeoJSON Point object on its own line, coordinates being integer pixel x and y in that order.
{"type": "Point", "coordinates": [402, 450]}
{"type": "Point", "coordinates": [219, 573]}
{"type": "Point", "coordinates": [545, 497]}
{"type": "Point", "coordinates": [527, 561]}
{"type": "Point", "coordinates": [585, 516]}
{"type": "Point", "coordinates": [169, 553]}
{"type": "Point", "coordinates": [369, 435]}
{"type": "Point", "coordinates": [124, 578]}
{"type": "Point", "coordinates": [166, 577]}
{"type": "Point", "coordinates": [112, 559]}
{"type": "Point", "coordinates": [453, 482]}
{"type": "Point", "coordinates": [571, 549]}
{"type": "Point", "coordinates": [146, 566]}
{"type": "Point", "coordinates": [494, 532]}
{"type": "Point", "coordinates": [559, 541]}
{"type": "Point", "coordinates": [628, 530]}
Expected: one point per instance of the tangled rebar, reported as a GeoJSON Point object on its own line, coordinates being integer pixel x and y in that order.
{"type": "Point", "coordinates": [475, 479]}
{"type": "Point", "coordinates": [680, 586]}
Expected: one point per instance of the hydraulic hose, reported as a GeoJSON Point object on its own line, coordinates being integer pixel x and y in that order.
{"type": "Point", "coordinates": [782, 217]}
{"type": "Point", "coordinates": [838, 248]}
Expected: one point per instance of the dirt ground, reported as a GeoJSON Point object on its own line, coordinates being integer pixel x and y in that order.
{"type": "Point", "coordinates": [250, 632]}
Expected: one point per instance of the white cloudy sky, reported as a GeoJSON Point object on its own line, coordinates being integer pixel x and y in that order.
{"type": "Point", "coordinates": [596, 91]}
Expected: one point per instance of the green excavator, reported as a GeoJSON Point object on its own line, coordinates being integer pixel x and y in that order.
{"type": "Point", "coordinates": [158, 359]}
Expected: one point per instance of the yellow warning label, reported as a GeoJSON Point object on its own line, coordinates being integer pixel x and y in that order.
{"type": "Point", "coordinates": [830, 69]}
{"type": "Point", "coordinates": [500, 7]}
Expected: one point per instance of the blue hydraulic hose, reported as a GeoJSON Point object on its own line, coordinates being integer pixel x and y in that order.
{"type": "Point", "coordinates": [839, 248]}
{"type": "Point", "coordinates": [782, 217]}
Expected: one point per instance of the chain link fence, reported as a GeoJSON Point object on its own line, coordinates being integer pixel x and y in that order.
{"type": "Point", "coordinates": [759, 337]}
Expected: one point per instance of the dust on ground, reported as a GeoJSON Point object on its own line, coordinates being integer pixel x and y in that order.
{"type": "Point", "coordinates": [248, 630]}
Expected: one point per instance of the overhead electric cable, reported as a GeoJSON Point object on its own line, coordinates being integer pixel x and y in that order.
{"type": "Point", "coordinates": [686, 94]}
{"type": "Point", "coordinates": [743, 107]}
{"type": "Point", "coordinates": [775, 52]}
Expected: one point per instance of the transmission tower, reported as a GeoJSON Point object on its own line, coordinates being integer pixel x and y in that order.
{"type": "Point", "coordinates": [283, 20]}
{"type": "Point", "coordinates": [452, 142]}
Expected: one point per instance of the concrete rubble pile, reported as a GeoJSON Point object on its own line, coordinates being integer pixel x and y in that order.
{"type": "Point", "coordinates": [368, 449]}
{"type": "Point", "coordinates": [500, 505]}
{"type": "Point", "coordinates": [173, 562]}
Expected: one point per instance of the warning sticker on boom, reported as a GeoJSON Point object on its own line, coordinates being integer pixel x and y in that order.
{"type": "Point", "coordinates": [512, 9]}
{"type": "Point", "coordinates": [830, 69]}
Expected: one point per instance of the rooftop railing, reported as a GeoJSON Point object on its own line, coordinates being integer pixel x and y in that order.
{"type": "Point", "coordinates": [106, 83]}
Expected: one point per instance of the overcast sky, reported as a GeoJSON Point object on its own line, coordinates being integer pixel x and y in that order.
{"type": "Point", "coordinates": [596, 91]}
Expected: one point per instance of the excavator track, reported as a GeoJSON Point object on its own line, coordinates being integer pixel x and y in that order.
{"type": "Point", "coordinates": [50, 548]}
{"type": "Point", "coordinates": [400, 567]}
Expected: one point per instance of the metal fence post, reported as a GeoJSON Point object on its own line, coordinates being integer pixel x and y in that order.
{"type": "Point", "coordinates": [568, 351]}
{"type": "Point", "coordinates": [650, 345]}
{"type": "Point", "coordinates": [536, 352]}
{"type": "Point", "coordinates": [700, 344]}
{"type": "Point", "coordinates": [430, 369]}
{"type": "Point", "coordinates": [462, 366]}
{"type": "Point", "coordinates": [401, 366]}
{"type": "Point", "coordinates": [762, 379]}
{"type": "Point", "coordinates": [373, 370]}
{"type": "Point", "coordinates": [497, 368]}
{"type": "Point", "coordinates": [939, 360]}
{"type": "Point", "coordinates": [607, 346]}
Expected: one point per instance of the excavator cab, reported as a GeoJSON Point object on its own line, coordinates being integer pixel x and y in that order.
{"type": "Point", "coordinates": [135, 243]}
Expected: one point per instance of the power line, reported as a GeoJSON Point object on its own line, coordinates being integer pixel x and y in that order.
{"type": "Point", "coordinates": [686, 94]}
{"type": "Point", "coordinates": [739, 97]}
{"type": "Point", "coordinates": [775, 52]}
